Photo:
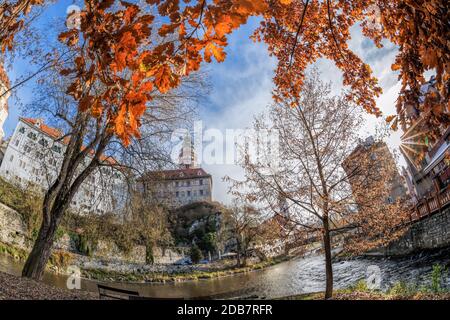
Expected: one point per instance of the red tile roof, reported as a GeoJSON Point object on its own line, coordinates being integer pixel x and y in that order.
{"type": "Point", "coordinates": [55, 134]}
{"type": "Point", "coordinates": [52, 132]}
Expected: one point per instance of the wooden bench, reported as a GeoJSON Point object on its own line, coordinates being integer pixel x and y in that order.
{"type": "Point", "coordinates": [106, 292]}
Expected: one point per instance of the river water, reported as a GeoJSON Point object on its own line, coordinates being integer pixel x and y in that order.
{"type": "Point", "coordinates": [297, 276]}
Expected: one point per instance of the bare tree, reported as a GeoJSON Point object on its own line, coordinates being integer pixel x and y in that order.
{"type": "Point", "coordinates": [243, 224]}
{"type": "Point", "coordinates": [151, 220]}
{"type": "Point", "coordinates": [317, 133]}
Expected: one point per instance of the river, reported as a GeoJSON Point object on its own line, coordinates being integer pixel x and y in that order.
{"type": "Point", "coordinates": [297, 276]}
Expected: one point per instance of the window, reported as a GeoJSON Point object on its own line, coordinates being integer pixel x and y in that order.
{"type": "Point", "coordinates": [177, 184]}
{"type": "Point", "coordinates": [201, 192]}
{"type": "Point", "coordinates": [22, 164]}
{"type": "Point", "coordinates": [11, 158]}
{"type": "Point", "coordinates": [188, 193]}
{"type": "Point", "coordinates": [188, 183]}
{"type": "Point", "coordinates": [177, 194]}
{"type": "Point", "coordinates": [201, 182]}
{"type": "Point", "coordinates": [16, 143]}
{"type": "Point", "coordinates": [22, 130]}
{"type": "Point", "coordinates": [27, 149]}
{"type": "Point", "coordinates": [56, 148]}
{"type": "Point", "coordinates": [32, 135]}
{"type": "Point", "coordinates": [43, 142]}
{"type": "Point", "coordinates": [182, 193]}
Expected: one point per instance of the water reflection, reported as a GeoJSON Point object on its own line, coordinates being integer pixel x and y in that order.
{"type": "Point", "coordinates": [297, 276]}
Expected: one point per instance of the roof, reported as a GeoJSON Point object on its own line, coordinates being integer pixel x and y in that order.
{"type": "Point", "coordinates": [56, 134]}
{"type": "Point", "coordinates": [39, 123]}
{"type": "Point", "coordinates": [177, 174]}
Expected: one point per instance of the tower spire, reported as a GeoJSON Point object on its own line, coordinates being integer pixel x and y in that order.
{"type": "Point", "coordinates": [187, 158]}
{"type": "Point", "coordinates": [4, 87]}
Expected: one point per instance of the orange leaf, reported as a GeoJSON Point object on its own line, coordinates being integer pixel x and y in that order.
{"type": "Point", "coordinates": [162, 78]}
{"type": "Point", "coordinates": [396, 67]}
{"type": "Point", "coordinates": [390, 118]}
{"type": "Point", "coordinates": [217, 52]}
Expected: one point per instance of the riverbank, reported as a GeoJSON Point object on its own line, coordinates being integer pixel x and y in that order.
{"type": "Point", "coordinates": [370, 296]}
{"type": "Point", "coordinates": [177, 273]}
{"type": "Point", "coordinates": [18, 288]}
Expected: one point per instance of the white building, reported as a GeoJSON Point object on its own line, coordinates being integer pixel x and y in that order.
{"type": "Point", "coordinates": [4, 86]}
{"type": "Point", "coordinates": [34, 155]}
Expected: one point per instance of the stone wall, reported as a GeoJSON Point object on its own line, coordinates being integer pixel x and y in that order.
{"type": "Point", "coordinates": [430, 233]}
{"type": "Point", "coordinates": [13, 231]}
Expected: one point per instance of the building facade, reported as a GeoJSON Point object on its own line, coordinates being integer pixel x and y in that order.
{"type": "Point", "coordinates": [369, 152]}
{"type": "Point", "coordinates": [33, 156]}
{"type": "Point", "coordinates": [432, 172]}
{"type": "Point", "coordinates": [428, 160]}
{"type": "Point", "coordinates": [179, 187]}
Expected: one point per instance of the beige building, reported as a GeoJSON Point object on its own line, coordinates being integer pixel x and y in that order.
{"type": "Point", "coordinates": [179, 187]}
{"type": "Point", "coordinates": [374, 151]}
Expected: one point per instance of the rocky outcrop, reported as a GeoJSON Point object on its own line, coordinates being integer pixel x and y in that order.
{"type": "Point", "coordinates": [13, 229]}
{"type": "Point", "coordinates": [13, 232]}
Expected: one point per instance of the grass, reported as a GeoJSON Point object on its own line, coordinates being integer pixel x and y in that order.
{"type": "Point", "coordinates": [59, 260]}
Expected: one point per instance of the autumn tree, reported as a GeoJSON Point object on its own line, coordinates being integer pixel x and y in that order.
{"type": "Point", "coordinates": [14, 16]}
{"type": "Point", "coordinates": [117, 116]}
{"type": "Point", "coordinates": [117, 66]}
{"type": "Point", "coordinates": [317, 133]}
{"type": "Point", "coordinates": [243, 224]}
{"type": "Point", "coordinates": [151, 222]}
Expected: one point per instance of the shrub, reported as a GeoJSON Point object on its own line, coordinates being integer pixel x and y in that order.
{"type": "Point", "coordinates": [195, 254]}
{"type": "Point", "coordinates": [25, 201]}
{"type": "Point", "coordinates": [437, 276]}
{"type": "Point", "coordinates": [360, 286]}
{"type": "Point", "coordinates": [208, 242]}
{"type": "Point", "coordinates": [402, 288]}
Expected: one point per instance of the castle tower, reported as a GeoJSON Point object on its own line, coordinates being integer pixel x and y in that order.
{"type": "Point", "coordinates": [4, 86]}
{"type": "Point", "coordinates": [187, 158]}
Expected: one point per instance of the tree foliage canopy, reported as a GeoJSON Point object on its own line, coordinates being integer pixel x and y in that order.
{"type": "Point", "coordinates": [114, 44]}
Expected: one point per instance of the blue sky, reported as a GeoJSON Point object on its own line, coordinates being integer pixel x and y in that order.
{"type": "Point", "coordinates": [241, 86]}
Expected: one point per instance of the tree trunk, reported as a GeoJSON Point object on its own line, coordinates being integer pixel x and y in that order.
{"type": "Point", "coordinates": [238, 253]}
{"type": "Point", "coordinates": [52, 212]}
{"type": "Point", "coordinates": [37, 259]}
{"type": "Point", "coordinates": [328, 265]}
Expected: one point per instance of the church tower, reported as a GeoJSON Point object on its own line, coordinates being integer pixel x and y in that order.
{"type": "Point", "coordinates": [4, 86]}
{"type": "Point", "coordinates": [187, 157]}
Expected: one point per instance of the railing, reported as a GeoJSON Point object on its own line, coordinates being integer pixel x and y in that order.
{"type": "Point", "coordinates": [431, 204]}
